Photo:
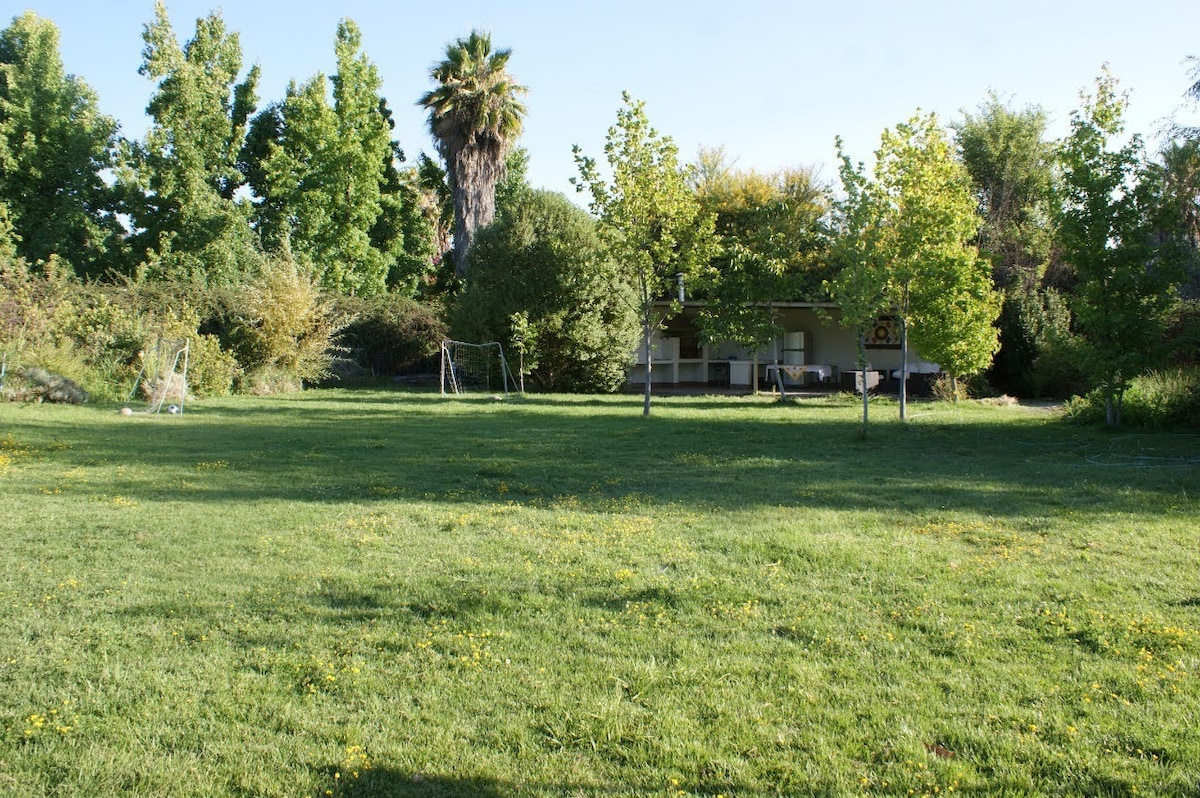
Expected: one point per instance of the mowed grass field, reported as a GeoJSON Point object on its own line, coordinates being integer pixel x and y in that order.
{"type": "Point", "coordinates": [370, 593]}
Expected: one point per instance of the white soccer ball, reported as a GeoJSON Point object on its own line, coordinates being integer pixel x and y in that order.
{"type": "Point", "coordinates": [173, 409]}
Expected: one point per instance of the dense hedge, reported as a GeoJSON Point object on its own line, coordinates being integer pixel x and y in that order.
{"type": "Point", "coordinates": [275, 332]}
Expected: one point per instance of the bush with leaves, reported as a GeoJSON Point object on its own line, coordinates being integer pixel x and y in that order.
{"type": "Point", "coordinates": [1168, 399]}
{"type": "Point", "coordinates": [1183, 333]}
{"type": "Point", "coordinates": [282, 329]}
{"type": "Point", "coordinates": [46, 316]}
{"type": "Point", "coordinates": [29, 303]}
{"type": "Point", "coordinates": [106, 337]}
{"type": "Point", "coordinates": [1058, 371]}
{"type": "Point", "coordinates": [1030, 319]}
{"type": "Point", "coordinates": [543, 264]}
{"type": "Point", "coordinates": [390, 334]}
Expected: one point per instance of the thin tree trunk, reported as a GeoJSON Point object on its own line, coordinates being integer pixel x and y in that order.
{"type": "Point", "coordinates": [903, 370]}
{"type": "Point", "coordinates": [862, 367]}
{"type": "Point", "coordinates": [864, 398]}
{"type": "Point", "coordinates": [647, 333]}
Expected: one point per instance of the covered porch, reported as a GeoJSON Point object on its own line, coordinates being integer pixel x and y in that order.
{"type": "Point", "coordinates": [814, 355]}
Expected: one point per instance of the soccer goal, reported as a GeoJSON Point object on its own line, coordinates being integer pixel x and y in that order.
{"type": "Point", "coordinates": [468, 368]}
{"type": "Point", "coordinates": [163, 376]}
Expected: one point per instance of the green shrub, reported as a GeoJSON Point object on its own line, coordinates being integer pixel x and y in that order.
{"type": "Point", "coordinates": [212, 371]}
{"type": "Point", "coordinates": [107, 336]}
{"type": "Point", "coordinates": [50, 321]}
{"type": "Point", "coordinates": [1167, 399]}
{"type": "Point", "coordinates": [281, 329]}
{"type": "Point", "coordinates": [1031, 320]}
{"type": "Point", "coordinates": [1058, 372]}
{"type": "Point", "coordinates": [99, 335]}
{"type": "Point", "coordinates": [29, 306]}
{"type": "Point", "coordinates": [541, 284]}
{"type": "Point", "coordinates": [390, 334]}
{"type": "Point", "coordinates": [1183, 334]}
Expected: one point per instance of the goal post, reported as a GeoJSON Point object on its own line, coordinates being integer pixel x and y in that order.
{"type": "Point", "coordinates": [475, 368]}
{"type": "Point", "coordinates": [163, 375]}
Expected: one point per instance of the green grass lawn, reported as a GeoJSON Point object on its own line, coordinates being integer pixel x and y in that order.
{"type": "Point", "coordinates": [394, 594]}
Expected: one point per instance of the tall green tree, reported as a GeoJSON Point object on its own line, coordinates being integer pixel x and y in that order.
{"type": "Point", "coordinates": [542, 283]}
{"type": "Point", "coordinates": [649, 216]}
{"type": "Point", "coordinates": [940, 282]}
{"type": "Point", "coordinates": [183, 179]}
{"type": "Point", "coordinates": [1125, 272]}
{"type": "Point", "coordinates": [774, 240]}
{"type": "Point", "coordinates": [1012, 167]}
{"type": "Point", "coordinates": [861, 285]}
{"type": "Point", "coordinates": [403, 231]}
{"type": "Point", "coordinates": [916, 248]}
{"type": "Point", "coordinates": [54, 146]}
{"type": "Point", "coordinates": [475, 116]}
{"type": "Point", "coordinates": [325, 166]}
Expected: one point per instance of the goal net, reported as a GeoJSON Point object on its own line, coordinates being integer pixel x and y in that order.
{"type": "Point", "coordinates": [475, 368]}
{"type": "Point", "coordinates": [163, 376]}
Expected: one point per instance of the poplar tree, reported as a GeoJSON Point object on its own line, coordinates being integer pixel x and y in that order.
{"type": "Point", "coordinates": [325, 167]}
{"type": "Point", "coordinates": [54, 145]}
{"type": "Point", "coordinates": [184, 176]}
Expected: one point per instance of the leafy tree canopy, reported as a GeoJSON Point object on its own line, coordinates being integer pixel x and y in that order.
{"type": "Point", "coordinates": [1111, 218]}
{"type": "Point", "coordinates": [1011, 165]}
{"type": "Point", "coordinates": [774, 247]}
{"type": "Point", "coordinates": [649, 214]}
{"type": "Point", "coordinates": [54, 146]}
{"type": "Point", "coordinates": [183, 179]}
{"type": "Point", "coordinates": [543, 285]}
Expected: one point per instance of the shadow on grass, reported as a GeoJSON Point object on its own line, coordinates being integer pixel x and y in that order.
{"type": "Point", "coordinates": [390, 783]}
{"type": "Point", "coordinates": [593, 452]}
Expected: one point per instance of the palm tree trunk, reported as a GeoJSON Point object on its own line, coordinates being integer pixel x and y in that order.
{"type": "Point", "coordinates": [473, 181]}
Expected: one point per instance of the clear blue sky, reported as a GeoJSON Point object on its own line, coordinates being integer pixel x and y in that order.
{"type": "Point", "coordinates": [771, 82]}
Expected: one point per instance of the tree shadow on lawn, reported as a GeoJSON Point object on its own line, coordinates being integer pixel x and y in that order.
{"type": "Point", "coordinates": [393, 783]}
{"type": "Point", "coordinates": [381, 782]}
{"type": "Point", "coordinates": [345, 448]}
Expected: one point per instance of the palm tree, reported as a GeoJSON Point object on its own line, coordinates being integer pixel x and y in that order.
{"type": "Point", "coordinates": [475, 116]}
{"type": "Point", "coordinates": [1180, 176]}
